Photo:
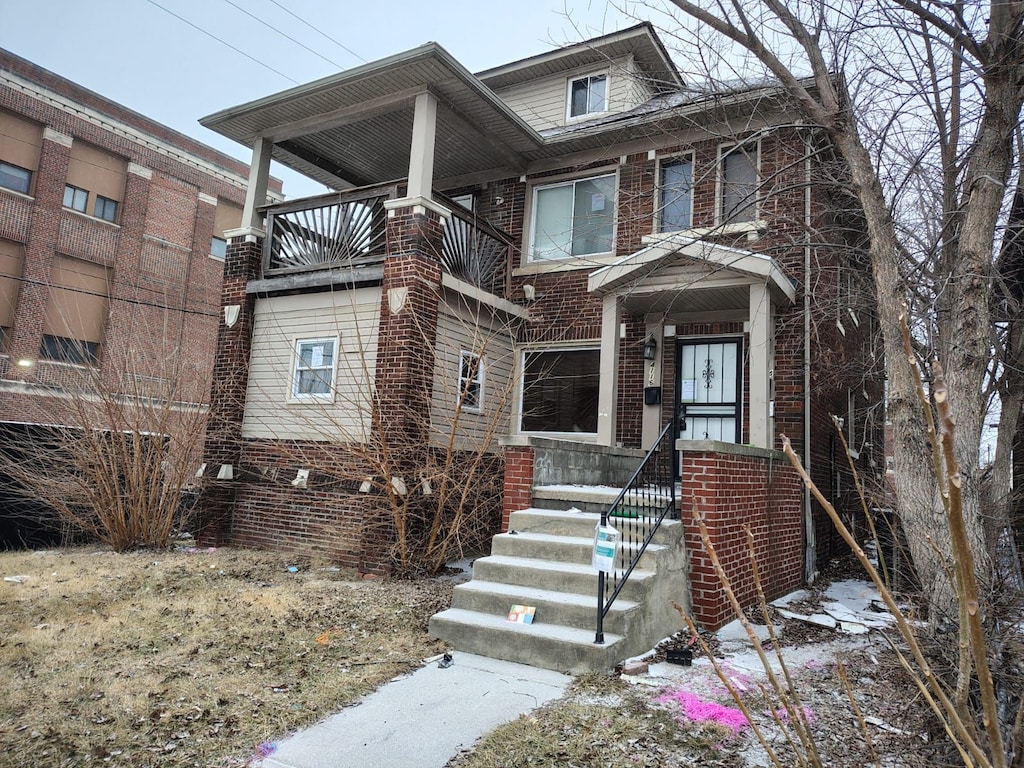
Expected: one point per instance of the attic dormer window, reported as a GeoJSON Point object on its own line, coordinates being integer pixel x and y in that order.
{"type": "Point", "coordinates": [588, 95]}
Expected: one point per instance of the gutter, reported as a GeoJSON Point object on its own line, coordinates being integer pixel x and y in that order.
{"type": "Point", "coordinates": [810, 541]}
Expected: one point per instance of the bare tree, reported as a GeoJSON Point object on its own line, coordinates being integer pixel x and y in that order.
{"type": "Point", "coordinates": [921, 101]}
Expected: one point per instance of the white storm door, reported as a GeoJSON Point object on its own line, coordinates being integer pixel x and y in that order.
{"type": "Point", "coordinates": [710, 390]}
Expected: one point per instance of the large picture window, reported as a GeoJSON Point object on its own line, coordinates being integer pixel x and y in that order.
{"type": "Point", "coordinates": [574, 218]}
{"type": "Point", "coordinates": [675, 190]}
{"type": "Point", "coordinates": [314, 369]}
{"type": "Point", "coordinates": [560, 391]}
{"type": "Point", "coordinates": [738, 183]}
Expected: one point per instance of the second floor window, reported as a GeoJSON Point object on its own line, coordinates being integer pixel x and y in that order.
{"type": "Point", "coordinates": [574, 218]}
{"type": "Point", "coordinates": [75, 198]}
{"type": "Point", "coordinates": [738, 183]}
{"type": "Point", "coordinates": [675, 187]}
{"type": "Point", "coordinates": [16, 178]}
{"type": "Point", "coordinates": [588, 95]}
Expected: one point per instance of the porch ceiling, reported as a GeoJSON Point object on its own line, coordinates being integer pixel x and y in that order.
{"type": "Point", "coordinates": [676, 264]}
{"type": "Point", "coordinates": [355, 128]}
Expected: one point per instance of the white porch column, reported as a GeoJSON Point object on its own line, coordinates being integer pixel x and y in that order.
{"type": "Point", "coordinates": [610, 319]}
{"type": "Point", "coordinates": [421, 153]}
{"type": "Point", "coordinates": [256, 191]}
{"type": "Point", "coordinates": [760, 366]}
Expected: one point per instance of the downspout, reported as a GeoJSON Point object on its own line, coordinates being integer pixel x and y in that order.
{"type": "Point", "coordinates": [811, 544]}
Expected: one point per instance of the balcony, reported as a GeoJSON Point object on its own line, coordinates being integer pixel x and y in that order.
{"type": "Point", "coordinates": [347, 232]}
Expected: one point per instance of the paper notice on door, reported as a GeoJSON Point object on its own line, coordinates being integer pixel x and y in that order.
{"type": "Point", "coordinates": [688, 389]}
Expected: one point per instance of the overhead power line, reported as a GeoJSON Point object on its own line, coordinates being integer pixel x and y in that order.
{"type": "Point", "coordinates": [318, 31]}
{"type": "Point", "coordinates": [223, 42]}
{"type": "Point", "coordinates": [272, 28]}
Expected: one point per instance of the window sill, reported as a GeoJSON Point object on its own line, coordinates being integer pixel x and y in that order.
{"type": "Point", "coordinates": [595, 261]}
{"type": "Point", "coordinates": [97, 219]}
{"type": "Point", "coordinates": [16, 193]}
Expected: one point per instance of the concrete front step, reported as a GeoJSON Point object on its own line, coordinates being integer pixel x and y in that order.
{"type": "Point", "coordinates": [541, 644]}
{"type": "Point", "coordinates": [565, 608]}
{"type": "Point", "coordinates": [573, 522]}
{"type": "Point", "coordinates": [591, 498]}
{"type": "Point", "coordinates": [545, 574]}
{"type": "Point", "coordinates": [563, 549]}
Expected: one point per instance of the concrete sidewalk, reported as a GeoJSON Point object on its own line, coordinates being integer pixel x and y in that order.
{"type": "Point", "coordinates": [422, 720]}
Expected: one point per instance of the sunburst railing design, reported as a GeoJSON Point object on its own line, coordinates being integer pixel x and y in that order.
{"type": "Point", "coordinates": [473, 251]}
{"type": "Point", "coordinates": [343, 229]}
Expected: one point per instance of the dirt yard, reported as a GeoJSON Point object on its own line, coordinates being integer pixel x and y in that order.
{"type": "Point", "coordinates": [190, 658]}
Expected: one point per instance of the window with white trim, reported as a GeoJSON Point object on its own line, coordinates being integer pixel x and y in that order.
{"type": "Point", "coordinates": [471, 381]}
{"type": "Point", "coordinates": [315, 362]}
{"type": "Point", "coordinates": [675, 194]}
{"type": "Point", "coordinates": [588, 95]}
{"type": "Point", "coordinates": [737, 183]}
{"type": "Point", "coordinates": [560, 390]}
{"type": "Point", "coordinates": [573, 218]}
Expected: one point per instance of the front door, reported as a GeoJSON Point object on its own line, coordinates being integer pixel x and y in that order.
{"type": "Point", "coordinates": [709, 389]}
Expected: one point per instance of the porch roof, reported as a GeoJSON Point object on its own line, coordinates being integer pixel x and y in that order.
{"type": "Point", "coordinates": [355, 128]}
{"type": "Point", "coordinates": [674, 262]}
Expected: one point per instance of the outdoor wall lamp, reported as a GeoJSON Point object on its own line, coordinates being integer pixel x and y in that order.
{"type": "Point", "coordinates": [650, 348]}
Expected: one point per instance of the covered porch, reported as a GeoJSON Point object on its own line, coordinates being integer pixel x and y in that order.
{"type": "Point", "coordinates": [721, 382]}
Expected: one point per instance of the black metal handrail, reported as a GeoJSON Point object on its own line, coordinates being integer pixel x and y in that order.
{"type": "Point", "coordinates": [646, 500]}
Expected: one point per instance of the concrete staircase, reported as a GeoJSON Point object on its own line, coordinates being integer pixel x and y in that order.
{"type": "Point", "coordinates": [544, 561]}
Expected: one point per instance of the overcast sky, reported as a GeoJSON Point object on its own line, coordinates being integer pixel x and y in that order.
{"type": "Point", "coordinates": [157, 62]}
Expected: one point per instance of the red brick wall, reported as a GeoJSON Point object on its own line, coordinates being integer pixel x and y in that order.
{"type": "Point", "coordinates": [518, 489]}
{"type": "Point", "coordinates": [730, 491]}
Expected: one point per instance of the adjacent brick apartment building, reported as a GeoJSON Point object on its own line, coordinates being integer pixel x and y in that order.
{"type": "Point", "coordinates": [111, 247]}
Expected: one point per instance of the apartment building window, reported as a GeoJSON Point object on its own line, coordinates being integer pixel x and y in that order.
{"type": "Point", "coordinates": [738, 183]}
{"type": "Point", "coordinates": [573, 218]}
{"type": "Point", "coordinates": [12, 262]}
{"type": "Point", "coordinates": [228, 217]}
{"type": "Point", "coordinates": [313, 377]}
{"type": "Point", "coordinates": [588, 95]}
{"type": "Point", "coordinates": [13, 177]}
{"type": "Point", "coordinates": [76, 312]}
{"type": "Point", "coordinates": [105, 208]}
{"type": "Point", "coordinates": [20, 145]}
{"type": "Point", "coordinates": [74, 198]}
{"type": "Point", "coordinates": [471, 381]}
{"type": "Point", "coordinates": [99, 176]}
{"type": "Point", "coordinates": [675, 191]}
{"type": "Point", "coordinates": [560, 391]}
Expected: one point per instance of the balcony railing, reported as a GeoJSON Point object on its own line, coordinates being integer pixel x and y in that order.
{"type": "Point", "coordinates": [344, 229]}
{"type": "Point", "coordinates": [349, 229]}
{"type": "Point", "coordinates": [474, 251]}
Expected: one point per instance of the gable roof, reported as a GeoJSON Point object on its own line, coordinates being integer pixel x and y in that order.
{"type": "Point", "coordinates": [640, 41]}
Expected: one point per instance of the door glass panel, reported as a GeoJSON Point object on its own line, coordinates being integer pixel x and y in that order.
{"type": "Point", "coordinates": [709, 393]}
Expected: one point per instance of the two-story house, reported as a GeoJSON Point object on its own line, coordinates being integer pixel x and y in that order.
{"type": "Point", "coordinates": [529, 280]}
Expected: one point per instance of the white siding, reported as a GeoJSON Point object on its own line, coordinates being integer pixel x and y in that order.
{"type": "Point", "coordinates": [462, 326]}
{"type": "Point", "coordinates": [542, 103]}
{"type": "Point", "coordinates": [351, 316]}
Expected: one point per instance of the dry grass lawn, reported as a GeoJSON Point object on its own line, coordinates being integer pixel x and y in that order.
{"type": "Point", "coordinates": [189, 658]}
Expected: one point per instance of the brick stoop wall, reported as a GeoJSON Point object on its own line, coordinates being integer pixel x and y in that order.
{"type": "Point", "coordinates": [732, 487]}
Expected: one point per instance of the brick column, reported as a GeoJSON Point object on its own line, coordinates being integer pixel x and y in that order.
{"type": "Point", "coordinates": [227, 395]}
{"type": "Point", "coordinates": [119, 340]}
{"type": "Point", "coordinates": [405, 352]}
{"type": "Point", "coordinates": [40, 247]}
{"type": "Point", "coordinates": [518, 488]}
